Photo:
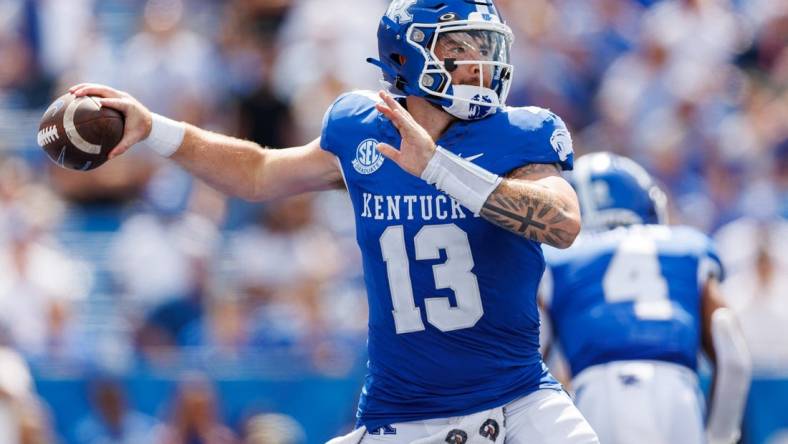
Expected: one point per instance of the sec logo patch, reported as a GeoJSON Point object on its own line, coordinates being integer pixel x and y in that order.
{"type": "Point", "coordinates": [368, 158]}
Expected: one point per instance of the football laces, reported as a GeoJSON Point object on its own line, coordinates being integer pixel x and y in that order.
{"type": "Point", "coordinates": [47, 135]}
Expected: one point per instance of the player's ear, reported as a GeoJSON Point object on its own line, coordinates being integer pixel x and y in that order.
{"type": "Point", "coordinates": [402, 59]}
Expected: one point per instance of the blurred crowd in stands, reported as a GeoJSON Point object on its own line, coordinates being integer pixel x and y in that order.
{"type": "Point", "coordinates": [137, 265]}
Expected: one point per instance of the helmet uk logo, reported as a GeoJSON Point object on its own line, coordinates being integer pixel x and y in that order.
{"type": "Point", "coordinates": [398, 11]}
{"type": "Point", "coordinates": [562, 143]}
{"type": "Point", "coordinates": [476, 110]}
{"type": "Point", "coordinates": [368, 158]}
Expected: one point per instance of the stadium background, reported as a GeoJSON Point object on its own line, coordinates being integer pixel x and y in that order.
{"type": "Point", "coordinates": [135, 293]}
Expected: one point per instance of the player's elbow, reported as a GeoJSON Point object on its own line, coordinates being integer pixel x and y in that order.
{"type": "Point", "coordinates": [569, 229]}
{"type": "Point", "coordinates": [252, 192]}
{"type": "Point", "coordinates": [257, 193]}
{"type": "Point", "coordinates": [563, 226]}
{"type": "Point", "coordinates": [258, 188]}
{"type": "Point", "coordinates": [574, 227]}
{"type": "Point", "coordinates": [251, 195]}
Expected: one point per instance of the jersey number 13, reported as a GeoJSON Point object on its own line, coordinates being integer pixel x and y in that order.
{"type": "Point", "coordinates": [455, 274]}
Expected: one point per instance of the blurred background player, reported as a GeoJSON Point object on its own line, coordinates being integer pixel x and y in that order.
{"type": "Point", "coordinates": [22, 419]}
{"type": "Point", "coordinates": [631, 304]}
{"type": "Point", "coordinates": [111, 420]}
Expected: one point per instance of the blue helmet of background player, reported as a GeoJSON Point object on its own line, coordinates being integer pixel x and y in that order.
{"type": "Point", "coordinates": [407, 38]}
{"type": "Point", "coordinates": [614, 190]}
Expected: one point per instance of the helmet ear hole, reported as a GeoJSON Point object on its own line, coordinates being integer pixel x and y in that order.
{"type": "Point", "coordinates": [398, 59]}
{"type": "Point", "coordinates": [435, 82]}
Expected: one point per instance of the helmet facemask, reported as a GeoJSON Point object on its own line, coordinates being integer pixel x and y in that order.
{"type": "Point", "coordinates": [477, 53]}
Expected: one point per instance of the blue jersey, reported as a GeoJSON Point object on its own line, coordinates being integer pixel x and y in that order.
{"type": "Point", "coordinates": [453, 320]}
{"type": "Point", "coordinates": [632, 293]}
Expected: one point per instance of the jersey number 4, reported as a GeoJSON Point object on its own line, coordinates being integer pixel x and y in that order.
{"type": "Point", "coordinates": [634, 275]}
{"type": "Point", "coordinates": [455, 274]}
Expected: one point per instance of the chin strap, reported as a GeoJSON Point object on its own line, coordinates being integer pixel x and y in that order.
{"type": "Point", "coordinates": [472, 102]}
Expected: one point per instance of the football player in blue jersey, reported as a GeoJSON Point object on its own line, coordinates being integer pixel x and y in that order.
{"type": "Point", "coordinates": [453, 193]}
{"type": "Point", "coordinates": [631, 304]}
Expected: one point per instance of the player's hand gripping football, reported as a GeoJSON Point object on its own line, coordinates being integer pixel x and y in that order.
{"type": "Point", "coordinates": [417, 147]}
{"type": "Point", "coordinates": [138, 117]}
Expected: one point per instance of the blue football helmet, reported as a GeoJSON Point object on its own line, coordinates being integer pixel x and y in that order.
{"type": "Point", "coordinates": [614, 190]}
{"type": "Point", "coordinates": [467, 32]}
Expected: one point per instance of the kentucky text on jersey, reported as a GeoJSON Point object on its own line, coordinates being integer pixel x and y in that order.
{"type": "Point", "coordinates": [453, 320]}
{"type": "Point", "coordinates": [413, 207]}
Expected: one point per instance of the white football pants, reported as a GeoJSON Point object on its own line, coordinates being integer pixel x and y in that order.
{"type": "Point", "coordinates": [644, 402]}
{"type": "Point", "coordinates": [545, 416]}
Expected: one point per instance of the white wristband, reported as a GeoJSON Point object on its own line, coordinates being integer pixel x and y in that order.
{"type": "Point", "coordinates": [467, 183]}
{"type": "Point", "coordinates": [166, 136]}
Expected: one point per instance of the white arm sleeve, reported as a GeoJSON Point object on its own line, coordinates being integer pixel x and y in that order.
{"type": "Point", "coordinates": [731, 379]}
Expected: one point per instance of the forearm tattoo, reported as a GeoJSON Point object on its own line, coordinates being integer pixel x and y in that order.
{"type": "Point", "coordinates": [529, 209]}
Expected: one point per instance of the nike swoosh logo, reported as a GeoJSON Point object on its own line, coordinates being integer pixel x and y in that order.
{"type": "Point", "coordinates": [472, 158]}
